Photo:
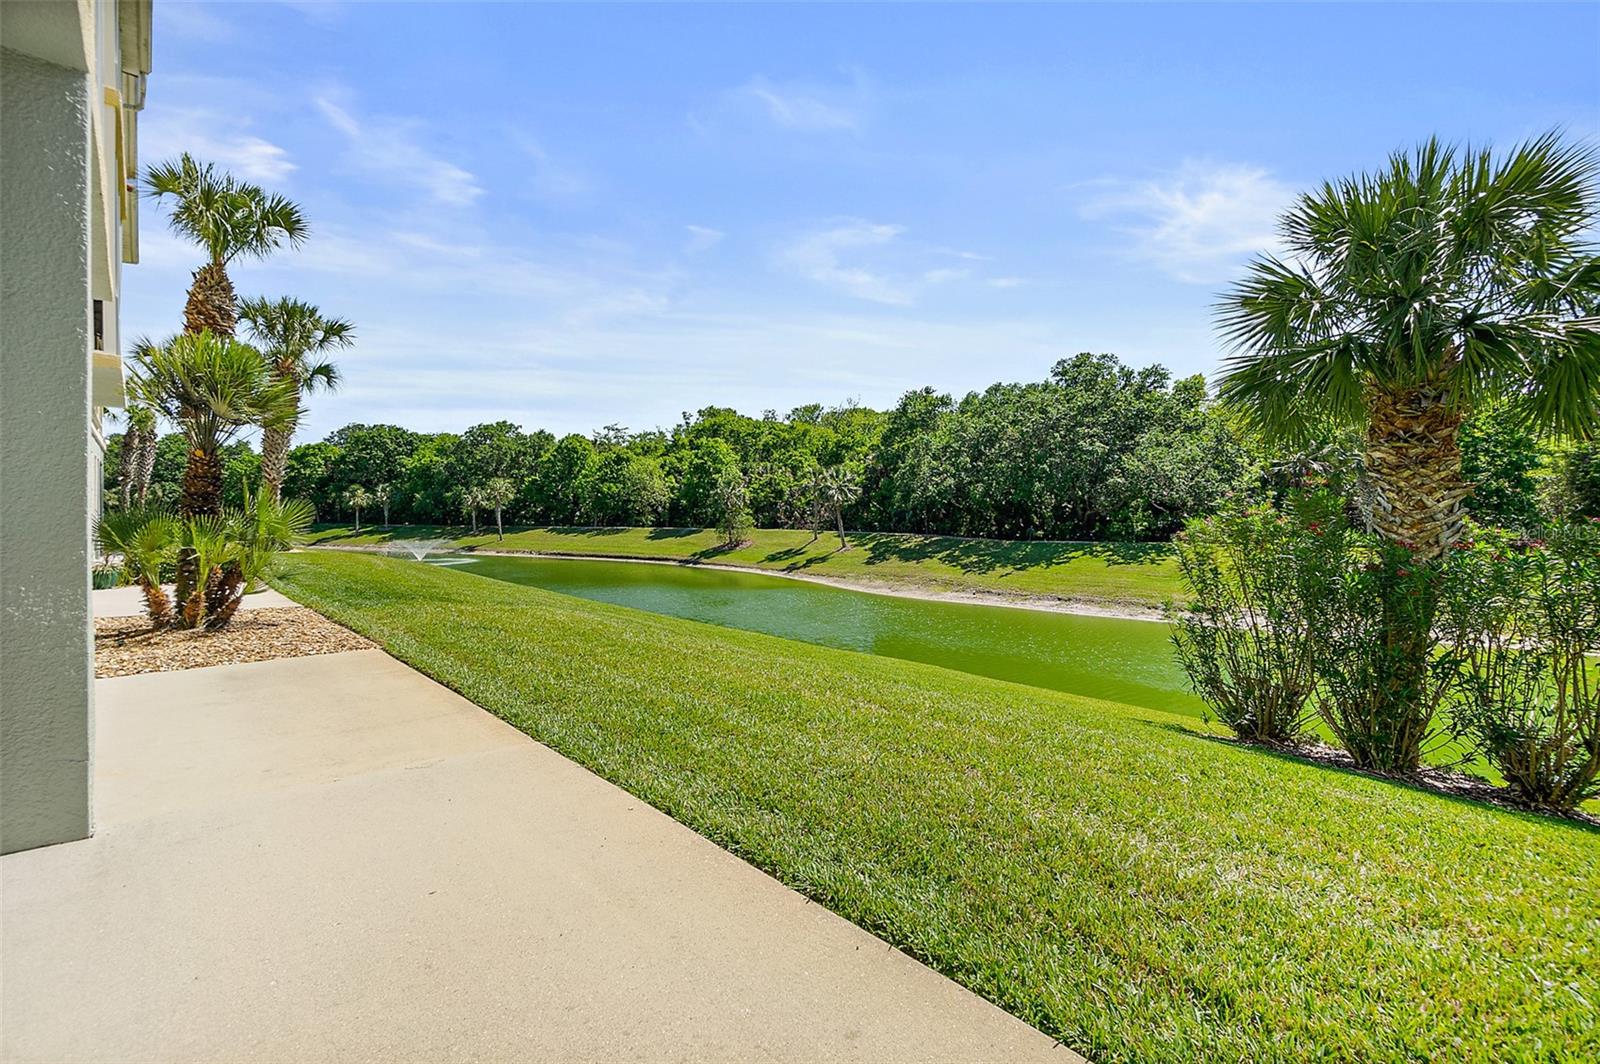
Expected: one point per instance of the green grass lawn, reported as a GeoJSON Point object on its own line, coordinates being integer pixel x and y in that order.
{"type": "Point", "coordinates": [1128, 884]}
{"type": "Point", "coordinates": [1110, 574]}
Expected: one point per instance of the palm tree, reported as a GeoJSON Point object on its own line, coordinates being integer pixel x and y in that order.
{"type": "Point", "coordinates": [145, 540]}
{"type": "Point", "coordinates": [228, 219]}
{"type": "Point", "coordinates": [137, 457]}
{"type": "Point", "coordinates": [494, 495]}
{"type": "Point", "coordinates": [381, 496]}
{"type": "Point", "coordinates": [292, 333]}
{"type": "Point", "coordinates": [836, 488]}
{"type": "Point", "coordinates": [357, 498]}
{"type": "Point", "coordinates": [211, 387]}
{"type": "Point", "coordinates": [1406, 296]}
{"type": "Point", "coordinates": [473, 499]}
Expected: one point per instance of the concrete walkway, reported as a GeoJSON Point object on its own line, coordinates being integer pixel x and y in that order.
{"type": "Point", "coordinates": [336, 858]}
{"type": "Point", "coordinates": [129, 601]}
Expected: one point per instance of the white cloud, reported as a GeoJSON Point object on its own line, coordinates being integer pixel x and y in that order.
{"type": "Point", "coordinates": [701, 238]}
{"type": "Point", "coordinates": [390, 148]}
{"type": "Point", "coordinates": [1200, 221]}
{"type": "Point", "coordinates": [1006, 282]}
{"type": "Point", "coordinates": [213, 136]}
{"type": "Point", "coordinates": [806, 108]}
{"type": "Point", "coordinates": [942, 275]}
{"type": "Point", "coordinates": [820, 256]}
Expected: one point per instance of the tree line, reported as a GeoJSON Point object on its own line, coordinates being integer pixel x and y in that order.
{"type": "Point", "coordinates": [1098, 450]}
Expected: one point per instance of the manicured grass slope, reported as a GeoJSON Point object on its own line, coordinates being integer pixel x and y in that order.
{"type": "Point", "coordinates": [1136, 889]}
{"type": "Point", "coordinates": [1125, 574]}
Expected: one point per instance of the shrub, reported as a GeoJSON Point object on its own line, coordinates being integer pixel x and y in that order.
{"type": "Point", "coordinates": [1295, 606]}
{"type": "Point", "coordinates": [1245, 638]}
{"type": "Point", "coordinates": [1381, 682]}
{"type": "Point", "coordinates": [1522, 619]}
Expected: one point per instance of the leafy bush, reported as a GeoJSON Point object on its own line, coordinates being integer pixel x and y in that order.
{"type": "Point", "coordinates": [1245, 638]}
{"type": "Point", "coordinates": [1381, 682]}
{"type": "Point", "coordinates": [1522, 619]}
{"type": "Point", "coordinates": [1295, 606]}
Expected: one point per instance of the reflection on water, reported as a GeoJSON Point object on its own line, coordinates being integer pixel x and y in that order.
{"type": "Point", "coordinates": [1102, 657]}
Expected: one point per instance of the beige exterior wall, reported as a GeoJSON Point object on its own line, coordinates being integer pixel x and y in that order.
{"type": "Point", "coordinates": [66, 143]}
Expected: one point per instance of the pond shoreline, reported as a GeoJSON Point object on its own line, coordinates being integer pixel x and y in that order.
{"type": "Point", "coordinates": [1037, 603]}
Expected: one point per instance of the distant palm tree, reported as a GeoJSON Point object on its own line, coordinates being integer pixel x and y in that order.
{"type": "Point", "coordinates": [381, 496]}
{"type": "Point", "coordinates": [1408, 295]}
{"type": "Point", "coordinates": [292, 333]}
{"type": "Point", "coordinates": [357, 498]}
{"type": "Point", "coordinates": [836, 488]}
{"type": "Point", "coordinates": [228, 219]}
{"type": "Point", "coordinates": [211, 387]}
{"type": "Point", "coordinates": [473, 499]}
{"type": "Point", "coordinates": [495, 494]}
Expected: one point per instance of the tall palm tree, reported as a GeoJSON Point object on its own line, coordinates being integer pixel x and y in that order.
{"type": "Point", "coordinates": [228, 219]}
{"type": "Point", "coordinates": [1409, 294]}
{"type": "Point", "coordinates": [211, 387]}
{"type": "Point", "coordinates": [292, 333]}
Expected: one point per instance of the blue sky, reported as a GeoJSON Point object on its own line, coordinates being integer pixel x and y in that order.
{"type": "Point", "coordinates": [570, 216]}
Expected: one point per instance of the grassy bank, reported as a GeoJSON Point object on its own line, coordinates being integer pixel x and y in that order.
{"type": "Point", "coordinates": [1139, 575]}
{"type": "Point", "coordinates": [1127, 884]}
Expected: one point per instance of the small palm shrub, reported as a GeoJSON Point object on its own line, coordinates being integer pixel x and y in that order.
{"type": "Point", "coordinates": [1244, 638]}
{"type": "Point", "coordinates": [1522, 619]}
{"type": "Point", "coordinates": [232, 551]}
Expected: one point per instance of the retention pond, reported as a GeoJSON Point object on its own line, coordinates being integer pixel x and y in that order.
{"type": "Point", "coordinates": [1101, 657]}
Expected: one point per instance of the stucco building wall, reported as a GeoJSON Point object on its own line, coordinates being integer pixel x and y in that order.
{"type": "Point", "coordinates": [46, 671]}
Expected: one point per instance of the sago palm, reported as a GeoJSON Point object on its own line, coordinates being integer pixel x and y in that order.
{"type": "Point", "coordinates": [292, 334]}
{"type": "Point", "coordinates": [1407, 295]}
{"type": "Point", "coordinates": [228, 219]}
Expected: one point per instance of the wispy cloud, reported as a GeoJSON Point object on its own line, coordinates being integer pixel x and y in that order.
{"type": "Point", "coordinates": [214, 136]}
{"type": "Point", "coordinates": [392, 148]}
{"type": "Point", "coordinates": [808, 107]}
{"type": "Point", "coordinates": [1198, 222]}
{"type": "Point", "coordinates": [821, 256]}
{"type": "Point", "coordinates": [701, 238]}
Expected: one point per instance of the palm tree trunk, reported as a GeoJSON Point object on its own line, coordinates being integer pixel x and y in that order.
{"type": "Point", "coordinates": [211, 303]}
{"type": "Point", "coordinates": [201, 497]}
{"type": "Point", "coordinates": [127, 463]}
{"type": "Point", "coordinates": [275, 457]}
{"type": "Point", "coordinates": [499, 528]}
{"type": "Point", "coordinates": [838, 519]}
{"type": "Point", "coordinates": [1414, 488]}
{"type": "Point", "coordinates": [202, 485]}
{"type": "Point", "coordinates": [147, 464]}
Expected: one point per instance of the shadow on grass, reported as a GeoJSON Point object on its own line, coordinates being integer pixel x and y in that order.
{"type": "Point", "coordinates": [990, 555]}
{"type": "Point", "coordinates": [672, 533]}
{"type": "Point", "coordinates": [1464, 790]}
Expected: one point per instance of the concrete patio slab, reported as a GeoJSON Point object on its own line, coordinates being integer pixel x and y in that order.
{"type": "Point", "coordinates": [129, 601]}
{"type": "Point", "coordinates": [337, 858]}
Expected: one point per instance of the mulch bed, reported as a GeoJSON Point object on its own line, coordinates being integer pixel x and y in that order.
{"type": "Point", "coordinates": [125, 646]}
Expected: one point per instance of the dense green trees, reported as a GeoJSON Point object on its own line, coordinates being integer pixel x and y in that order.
{"type": "Point", "coordinates": [1097, 451]}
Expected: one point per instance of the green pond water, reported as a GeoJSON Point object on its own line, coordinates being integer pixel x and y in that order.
{"type": "Point", "coordinates": [1102, 657]}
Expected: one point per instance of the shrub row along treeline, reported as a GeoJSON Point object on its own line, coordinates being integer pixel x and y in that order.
{"type": "Point", "coordinates": [1097, 451]}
